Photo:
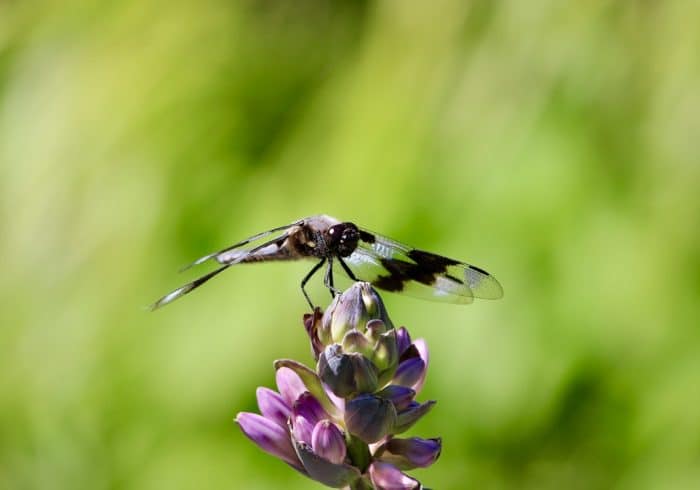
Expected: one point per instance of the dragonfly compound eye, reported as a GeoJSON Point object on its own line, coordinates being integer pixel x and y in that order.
{"type": "Point", "coordinates": [349, 237]}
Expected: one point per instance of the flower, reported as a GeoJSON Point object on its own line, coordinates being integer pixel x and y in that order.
{"type": "Point", "coordinates": [337, 424]}
{"type": "Point", "coordinates": [407, 454]}
{"type": "Point", "coordinates": [295, 427]}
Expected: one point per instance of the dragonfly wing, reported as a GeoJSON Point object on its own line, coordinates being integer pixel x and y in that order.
{"type": "Point", "coordinates": [256, 249]}
{"type": "Point", "coordinates": [396, 276]}
{"type": "Point", "coordinates": [233, 253]}
{"type": "Point", "coordinates": [183, 290]}
{"type": "Point", "coordinates": [393, 266]}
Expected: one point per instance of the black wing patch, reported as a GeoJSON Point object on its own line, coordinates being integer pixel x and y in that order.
{"type": "Point", "coordinates": [393, 266]}
{"type": "Point", "coordinates": [423, 268]}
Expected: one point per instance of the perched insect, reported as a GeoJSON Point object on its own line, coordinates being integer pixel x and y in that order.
{"type": "Point", "coordinates": [362, 255]}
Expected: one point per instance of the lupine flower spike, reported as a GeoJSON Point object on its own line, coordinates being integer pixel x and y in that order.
{"type": "Point", "coordinates": [338, 423]}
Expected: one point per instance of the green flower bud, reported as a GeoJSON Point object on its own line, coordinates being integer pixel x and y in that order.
{"type": "Point", "coordinates": [354, 341]}
{"type": "Point", "coordinates": [386, 353]}
{"type": "Point", "coordinates": [352, 310]}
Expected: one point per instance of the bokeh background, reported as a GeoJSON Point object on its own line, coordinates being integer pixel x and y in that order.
{"type": "Point", "coordinates": [553, 143]}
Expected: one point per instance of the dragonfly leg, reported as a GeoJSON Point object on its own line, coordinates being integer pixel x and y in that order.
{"type": "Point", "coordinates": [328, 281]}
{"type": "Point", "coordinates": [347, 270]}
{"type": "Point", "coordinates": [306, 279]}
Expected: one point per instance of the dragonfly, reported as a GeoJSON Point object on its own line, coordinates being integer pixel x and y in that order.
{"type": "Point", "coordinates": [362, 255]}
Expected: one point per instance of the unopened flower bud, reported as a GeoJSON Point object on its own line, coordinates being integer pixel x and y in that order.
{"type": "Point", "coordinates": [403, 339]}
{"type": "Point", "coordinates": [400, 396]}
{"type": "Point", "coordinates": [413, 366]}
{"type": "Point", "coordinates": [352, 310]}
{"type": "Point", "coordinates": [289, 385]}
{"type": "Point", "coordinates": [373, 302]}
{"type": "Point", "coordinates": [407, 417]}
{"type": "Point", "coordinates": [354, 341]}
{"type": "Point", "coordinates": [268, 435]}
{"type": "Point", "coordinates": [369, 417]}
{"type": "Point", "coordinates": [306, 413]}
{"type": "Point", "coordinates": [386, 355]}
{"type": "Point", "coordinates": [328, 442]}
{"type": "Point", "coordinates": [422, 349]}
{"type": "Point", "coordinates": [409, 372]}
{"type": "Point", "coordinates": [411, 453]}
{"type": "Point", "coordinates": [272, 406]}
{"type": "Point", "coordinates": [346, 374]}
{"type": "Point", "coordinates": [386, 476]}
{"type": "Point", "coordinates": [375, 328]}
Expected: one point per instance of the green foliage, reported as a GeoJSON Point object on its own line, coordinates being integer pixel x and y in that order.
{"type": "Point", "coordinates": [552, 143]}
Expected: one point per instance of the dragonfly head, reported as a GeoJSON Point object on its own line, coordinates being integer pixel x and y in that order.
{"type": "Point", "coordinates": [342, 238]}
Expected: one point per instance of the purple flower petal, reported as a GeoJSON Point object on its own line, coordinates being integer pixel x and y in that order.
{"type": "Point", "coordinates": [289, 385]}
{"type": "Point", "coordinates": [400, 396]}
{"type": "Point", "coordinates": [338, 402]}
{"type": "Point", "coordinates": [269, 436]}
{"type": "Point", "coordinates": [273, 406]}
{"type": "Point", "coordinates": [328, 442]}
{"type": "Point", "coordinates": [409, 372]}
{"type": "Point", "coordinates": [312, 383]}
{"type": "Point", "coordinates": [403, 339]}
{"type": "Point", "coordinates": [406, 418]}
{"type": "Point", "coordinates": [310, 408]}
{"type": "Point", "coordinates": [324, 471]}
{"type": "Point", "coordinates": [411, 453]}
{"type": "Point", "coordinates": [386, 476]}
{"type": "Point", "coordinates": [422, 348]}
{"type": "Point", "coordinates": [306, 413]}
{"type": "Point", "coordinates": [302, 429]}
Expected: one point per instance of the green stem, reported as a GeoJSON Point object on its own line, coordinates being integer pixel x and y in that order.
{"type": "Point", "coordinates": [361, 484]}
{"type": "Point", "coordinates": [358, 452]}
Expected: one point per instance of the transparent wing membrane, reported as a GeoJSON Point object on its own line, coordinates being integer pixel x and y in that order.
{"type": "Point", "coordinates": [381, 261]}
{"type": "Point", "coordinates": [227, 252]}
{"type": "Point", "coordinates": [251, 249]}
{"type": "Point", "coordinates": [396, 267]}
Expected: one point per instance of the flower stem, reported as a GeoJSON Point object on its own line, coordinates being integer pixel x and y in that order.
{"type": "Point", "coordinates": [359, 454]}
{"type": "Point", "coordinates": [361, 484]}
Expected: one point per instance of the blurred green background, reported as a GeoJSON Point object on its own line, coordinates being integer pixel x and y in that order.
{"type": "Point", "coordinates": [553, 143]}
